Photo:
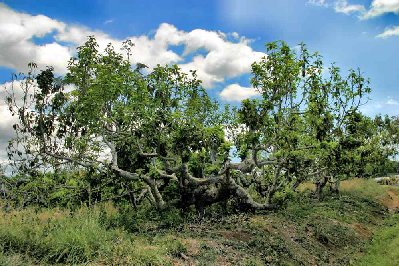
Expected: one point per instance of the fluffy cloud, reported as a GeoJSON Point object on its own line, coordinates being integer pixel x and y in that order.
{"type": "Point", "coordinates": [342, 6]}
{"type": "Point", "coordinates": [18, 31]}
{"type": "Point", "coordinates": [380, 7]}
{"type": "Point", "coordinates": [16, 46]}
{"type": "Point", "coordinates": [318, 2]}
{"type": "Point", "coordinates": [237, 93]}
{"type": "Point", "coordinates": [389, 32]}
{"type": "Point", "coordinates": [392, 101]}
{"type": "Point", "coordinates": [216, 56]}
{"type": "Point", "coordinates": [6, 121]}
{"type": "Point", "coordinates": [377, 8]}
{"type": "Point", "coordinates": [223, 58]}
{"type": "Point", "coordinates": [386, 106]}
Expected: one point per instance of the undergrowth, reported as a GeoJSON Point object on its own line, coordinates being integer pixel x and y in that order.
{"type": "Point", "coordinates": [334, 231]}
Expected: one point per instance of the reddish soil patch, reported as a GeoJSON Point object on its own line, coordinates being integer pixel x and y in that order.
{"type": "Point", "coordinates": [222, 261]}
{"type": "Point", "coordinates": [192, 245]}
{"type": "Point", "coordinates": [391, 200]}
{"type": "Point", "coordinates": [236, 235]}
{"type": "Point", "coordinates": [362, 230]}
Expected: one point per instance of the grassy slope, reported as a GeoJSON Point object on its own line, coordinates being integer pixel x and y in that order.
{"type": "Point", "coordinates": [384, 249]}
{"type": "Point", "coordinates": [335, 231]}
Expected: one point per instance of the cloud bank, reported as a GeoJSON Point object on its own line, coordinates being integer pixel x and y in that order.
{"type": "Point", "coordinates": [381, 7]}
{"type": "Point", "coordinates": [377, 8]}
{"type": "Point", "coordinates": [216, 56]}
{"type": "Point", "coordinates": [224, 57]}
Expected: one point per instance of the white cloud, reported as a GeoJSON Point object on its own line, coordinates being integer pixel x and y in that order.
{"type": "Point", "coordinates": [387, 106]}
{"type": "Point", "coordinates": [342, 6]}
{"type": "Point", "coordinates": [377, 7]}
{"type": "Point", "coordinates": [6, 121]}
{"type": "Point", "coordinates": [380, 7]}
{"type": "Point", "coordinates": [235, 92]}
{"type": "Point", "coordinates": [389, 32]}
{"type": "Point", "coordinates": [318, 2]}
{"type": "Point", "coordinates": [235, 35]}
{"type": "Point", "coordinates": [77, 35]}
{"type": "Point", "coordinates": [18, 31]}
{"type": "Point", "coordinates": [199, 64]}
{"type": "Point", "coordinates": [223, 58]}
{"type": "Point", "coordinates": [16, 46]}
{"type": "Point", "coordinates": [216, 56]}
{"type": "Point", "coordinates": [153, 51]}
{"type": "Point", "coordinates": [392, 101]}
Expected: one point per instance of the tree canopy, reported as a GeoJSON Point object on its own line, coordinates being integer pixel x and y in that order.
{"type": "Point", "coordinates": [157, 133]}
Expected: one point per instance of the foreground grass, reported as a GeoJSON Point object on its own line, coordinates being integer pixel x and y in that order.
{"type": "Point", "coordinates": [336, 231]}
{"type": "Point", "coordinates": [384, 249]}
{"type": "Point", "coordinates": [55, 236]}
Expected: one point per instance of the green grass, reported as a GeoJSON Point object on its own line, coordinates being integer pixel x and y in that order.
{"type": "Point", "coordinates": [54, 236]}
{"type": "Point", "coordinates": [15, 260]}
{"type": "Point", "coordinates": [384, 248]}
{"type": "Point", "coordinates": [335, 231]}
{"type": "Point", "coordinates": [366, 188]}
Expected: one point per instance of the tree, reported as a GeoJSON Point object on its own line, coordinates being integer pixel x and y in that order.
{"type": "Point", "coordinates": [294, 132]}
{"type": "Point", "coordinates": [161, 129]}
{"type": "Point", "coordinates": [158, 132]}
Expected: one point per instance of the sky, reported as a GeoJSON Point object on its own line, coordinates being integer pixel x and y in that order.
{"type": "Point", "coordinates": [217, 38]}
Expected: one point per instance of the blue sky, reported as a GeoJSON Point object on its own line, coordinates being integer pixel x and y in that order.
{"type": "Point", "coordinates": [345, 38]}
{"type": "Point", "coordinates": [219, 38]}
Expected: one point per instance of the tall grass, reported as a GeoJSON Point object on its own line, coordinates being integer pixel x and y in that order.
{"type": "Point", "coordinates": [367, 188]}
{"type": "Point", "coordinates": [331, 232]}
{"type": "Point", "coordinates": [55, 236]}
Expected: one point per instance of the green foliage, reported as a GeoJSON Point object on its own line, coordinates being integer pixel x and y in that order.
{"type": "Point", "coordinates": [369, 148]}
{"type": "Point", "coordinates": [307, 120]}
{"type": "Point", "coordinates": [156, 137]}
{"type": "Point", "coordinates": [64, 189]}
{"type": "Point", "coordinates": [152, 144]}
{"type": "Point", "coordinates": [140, 220]}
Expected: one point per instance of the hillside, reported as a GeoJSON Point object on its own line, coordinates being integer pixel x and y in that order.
{"type": "Point", "coordinates": [351, 229]}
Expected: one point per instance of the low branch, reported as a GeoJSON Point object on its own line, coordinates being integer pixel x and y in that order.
{"type": "Point", "coordinates": [114, 162]}
{"type": "Point", "coordinates": [72, 160]}
{"type": "Point", "coordinates": [244, 196]}
{"type": "Point", "coordinates": [159, 202]}
{"type": "Point", "coordinates": [125, 174]}
{"type": "Point", "coordinates": [200, 181]}
{"type": "Point", "coordinates": [156, 155]}
{"type": "Point", "coordinates": [164, 175]}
